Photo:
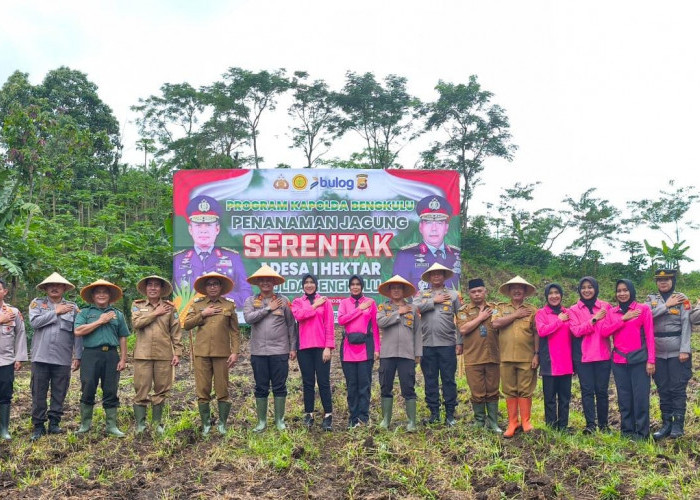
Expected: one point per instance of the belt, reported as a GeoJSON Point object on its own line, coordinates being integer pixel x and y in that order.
{"type": "Point", "coordinates": [104, 348]}
{"type": "Point", "coordinates": [666, 334]}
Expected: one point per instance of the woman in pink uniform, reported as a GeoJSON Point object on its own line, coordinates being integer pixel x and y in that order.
{"type": "Point", "coordinates": [634, 356]}
{"type": "Point", "coordinates": [556, 363]}
{"type": "Point", "coordinates": [314, 314]}
{"type": "Point", "coordinates": [360, 347]}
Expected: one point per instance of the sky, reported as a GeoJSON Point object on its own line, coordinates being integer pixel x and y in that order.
{"type": "Point", "coordinates": [599, 94]}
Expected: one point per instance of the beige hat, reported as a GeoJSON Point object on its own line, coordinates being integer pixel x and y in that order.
{"type": "Point", "coordinates": [165, 291]}
{"type": "Point", "coordinates": [55, 279]}
{"type": "Point", "coordinates": [265, 271]}
{"type": "Point", "coordinates": [408, 289]}
{"type": "Point", "coordinates": [437, 267]}
{"type": "Point", "coordinates": [200, 283]}
{"type": "Point", "coordinates": [115, 293]}
{"type": "Point", "coordinates": [529, 289]}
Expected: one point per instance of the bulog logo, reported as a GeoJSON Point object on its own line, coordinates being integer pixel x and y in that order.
{"type": "Point", "coordinates": [337, 183]}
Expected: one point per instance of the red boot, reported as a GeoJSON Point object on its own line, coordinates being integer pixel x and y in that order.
{"type": "Point", "coordinates": [513, 423]}
{"type": "Point", "coordinates": [525, 405]}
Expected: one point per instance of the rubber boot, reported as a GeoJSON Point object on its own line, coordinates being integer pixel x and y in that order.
{"type": "Point", "coordinates": [157, 417]}
{"type": "Point", "coordinates": [411, 414]}
{"type": "Point", "coordinates": [677, 429]}
{"type": "Point", "coordinates": [280, 403]}
{"type": "Point", "coordinates": [224, 410]}
{"type": "Point", "coordinates": [39, 430]}
{"type": "Point", "coordinates": [492, 417]}
{"type": "Point", "coordinates": [205, 416]}
{"type": "Point", "coordinates": [434, 417]}
{"type": "Point", "coordinates": [479, 414]}
{"type": "Point", "coordinates": [513, 422]}
{"type": "Point", "coordinates": [54, 427]}
{"type": "Point", "coordinates": [261, 410]}
{"type": "Point", "coordinates": [5, 421]}
{"type": "Point", "coordinates": [387, 407]}
{"type": "Point", "coordinates": [525, 405]}
{"type": "Point", "coordinates": [140, 417]}
{"type": "Point", "coordinates": [450, 417]}
{"type": "Point", "coordinates": [665, 430]}
{"type": "Point", "coordinates": [85, 418]}
{"type": "Point", "coordinates": [111, 423]}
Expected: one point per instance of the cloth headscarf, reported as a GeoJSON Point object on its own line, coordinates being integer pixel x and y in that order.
{"type": "Point", "coordinates": [547, 289]}
{"type": "Point", "coordinates": [310, 297]}
{"type": "Point", "coordinates": [357, 298]}
{"type": "Point", "coordinates": [589, 303]}
{"type": "Point", "coordinates": [624, 306]}
{"type": "Point", "coordinates": [668, 294]}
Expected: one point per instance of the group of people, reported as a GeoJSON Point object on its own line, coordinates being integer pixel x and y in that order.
{"type": "Point", "coordinates": [502, 344]}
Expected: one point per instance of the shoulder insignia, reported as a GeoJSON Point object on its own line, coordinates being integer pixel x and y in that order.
{"type": "Point", "coordinates": [198, 299]}
{"type": "Point", "coordinates": [406, 247]}
{"type": "Point", "coordinates": [454, 248]}
{"type": "Point", "coordinates": [33, 304]}
{"type": "Point", "coordinates": [181, 251]}
{"type": "Point", "coordinates": [230, 249]}
{"type": "Point", "coordinates": [230, 300]}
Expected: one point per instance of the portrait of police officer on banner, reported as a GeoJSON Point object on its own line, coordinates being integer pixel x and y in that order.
{"type": "Point", "coordinates": [412, 261]}
{"type": "Point", "coordinates": [203, 224]}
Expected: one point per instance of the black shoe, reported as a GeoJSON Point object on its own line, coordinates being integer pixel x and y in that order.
{"type": "Point", "coordinates": [677, 429]}
{"type": "Point", "coordinates": [54, 427]}
{"type": "Point", "coordinates": [590, 429]}
{"type": "Point", "coordinates": [327, 423]}
{"type": "Point", "coordinates": [309, 420]}
{"type": "Point", "coordinates": [39, 430]}
{"type": "Point", "coordinates": [450, 419]}
{"type": "Point", "coordinates": [433, 419]}
{"type": "Point", "coordinates": [665, 430]}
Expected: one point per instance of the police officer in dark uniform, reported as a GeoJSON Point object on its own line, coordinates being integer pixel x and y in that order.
{"type": "Point", "coordinates": [673, 361]}
{"type": "Point", "coordinates": [203, 214]}
{"type": "Point", "coordinates": [412, 261]}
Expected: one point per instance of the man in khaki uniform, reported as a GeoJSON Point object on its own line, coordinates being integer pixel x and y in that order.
{"type": "Point", "coordinates": [481, 357]}
{"type": "Point", "coordinates": [216, 345]}
{"type": "Point", "coordinates": [519, 348]}
{"type": "Point", "coordinates": [158, 348]}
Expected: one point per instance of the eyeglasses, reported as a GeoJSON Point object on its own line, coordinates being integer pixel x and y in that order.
{"type": "Point", "coordinates": [213, 284]}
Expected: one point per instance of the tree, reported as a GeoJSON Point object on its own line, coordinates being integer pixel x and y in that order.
{"type": "Point", "coordinates": [540, 228]}
{"type": "Point", "coordinates": [668, 212]}
{"type": "Point", "coordinates": [475, 130]}
{"type": "Point", "coordinates": [594, 219]}
{"type": "Point", "coordinates": [383, 116]}
{"type": "Point", "coordinates": [669, 257]}
{"type": "Point", "coordinates": [316, 118]}
{"type": "Point", "coordinates": [246, 95]}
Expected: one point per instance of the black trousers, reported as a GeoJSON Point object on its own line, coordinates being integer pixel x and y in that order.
{"type": "Point", "coordinates": [313, 371]}
{"type": "Point", "coordinates": [671, 380]}
{"type": "Point", "coordinates": [358, 380]}
{"type": "Point", "coordinates": [439, 363]}
{"type": "Point", "coordinates": [406, 369]}
{"type": "Point", "coordinates": [633, 385]}
{"type": "Point", "coordinates": [99, 367]}
{"type": "Point", "coordinates": [45, 375]}
{"type": "Point", "coordinates": [557, 396]}
{"type": "Point", "coordinates": [270, 371]}
{"type": "Point", "coordinates": [594, 378]}
{"type": "Point", "coordinates": [7, 381]}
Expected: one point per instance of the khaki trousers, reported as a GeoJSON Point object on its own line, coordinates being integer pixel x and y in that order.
{"type": "Point", "coordinates": [483, 382]}
{"type": "Point", "coordinates": [206, 368]}
{"type": "Point", "coordinates": [156, 373]}
{"type": "Point", "coordinates": [518, 380]}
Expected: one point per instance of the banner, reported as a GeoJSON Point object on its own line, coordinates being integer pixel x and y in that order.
{"type": "Point", "coordinates": [330, 223]}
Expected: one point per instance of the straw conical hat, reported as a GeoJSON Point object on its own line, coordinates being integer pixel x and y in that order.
{"type": "Point", "coordinates": [529, 289]}
{"type": "Point", "coordinates": [115, 293]}
{"type": "Point", "coordinates": [200, 283]}
{"type": "Point", "coordinates": [165, 291]}
{"type": "Point", "coordinates": [55, 278]}
{"type": "Point", "coordinates": [265, 271]}
{"type": "Point", "coordinates": [408, 289]}
{"type": "Point", "coordinates": [437, 267]}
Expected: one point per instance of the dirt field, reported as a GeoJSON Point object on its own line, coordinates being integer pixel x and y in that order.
{"type": "Point", "coordinates": [464, 462]}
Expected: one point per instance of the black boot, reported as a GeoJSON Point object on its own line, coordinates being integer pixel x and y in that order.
{"type": "Point", "coordinates": [54, 427]}
{"type": "Point", "coordinates": [434, 417]}
{"type": "Point", "coordinates": [665, 429]}
{"type": "Point", "coordinates": [677, 427]}
{"type": "Point", "coordinates": [39, 430]}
